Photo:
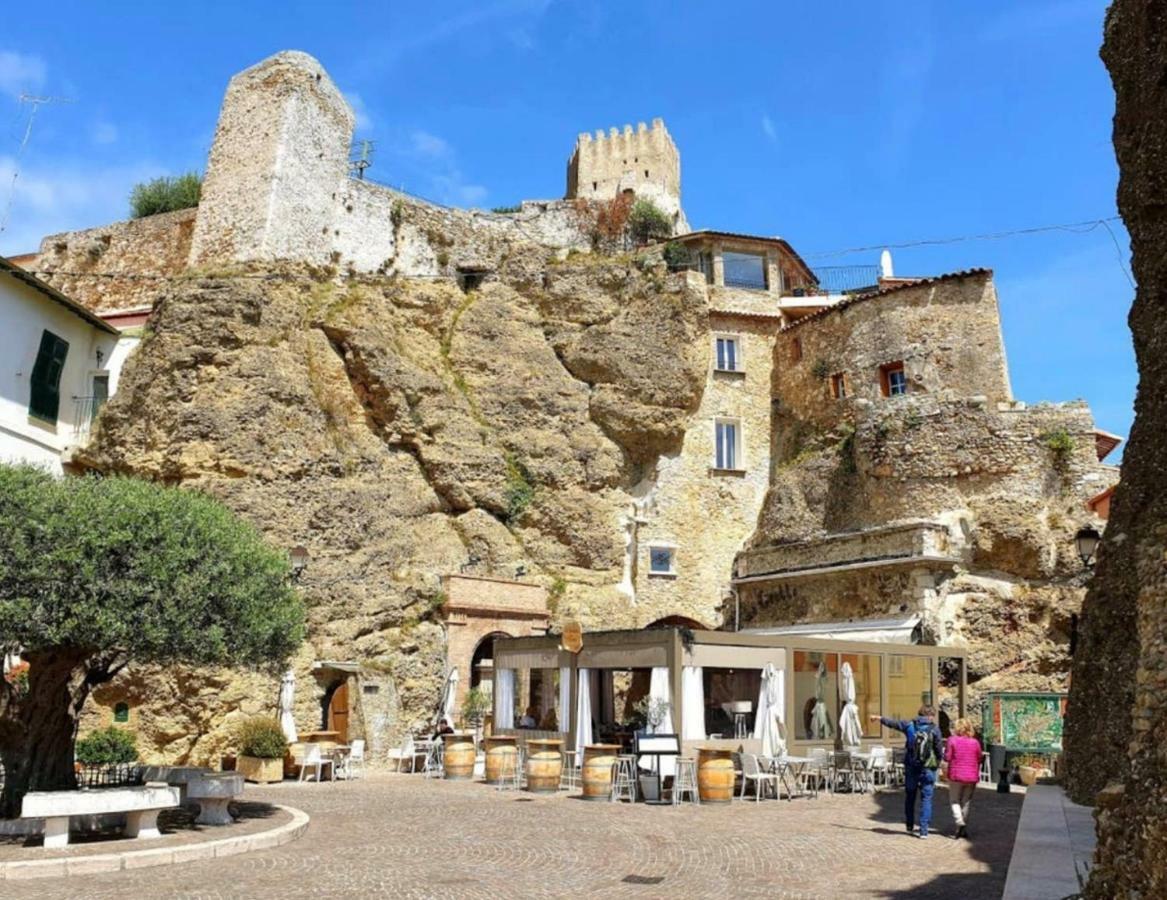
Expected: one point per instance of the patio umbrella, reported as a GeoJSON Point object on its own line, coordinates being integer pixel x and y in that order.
{"type": "Point", "coordinates": [820, 722]}
{"type": "Point", "coordinates": [450, 696]}
{"type": "Point", "coordinates": [850, 728]}
{"type": "Point", "coordinates": [768, 726]}
{"type": "Point", "coordinates": [287, 695]}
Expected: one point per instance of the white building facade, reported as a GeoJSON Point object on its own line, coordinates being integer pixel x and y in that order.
{"type": "Point", "coordinates": [58, 364]}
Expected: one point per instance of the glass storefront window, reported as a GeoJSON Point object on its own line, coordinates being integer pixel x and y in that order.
{"type": "Point", "coordinates": [909, 685]}
{"type": "Point", "coordinates": [866, 669]}
{"type": "Point", "coordinates": [816, 695]}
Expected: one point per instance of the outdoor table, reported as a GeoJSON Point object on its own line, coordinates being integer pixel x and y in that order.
{"type": "Point", "coordinates": [597, 770]}
{"type": "Point", "coordinates": [318, 737]}
{"type": "Point", "coordinates": [501, 750]}
{"type": "Point", "coordinates": [544, 764]}
{"type": "Point", "coordinates": [797, 766]}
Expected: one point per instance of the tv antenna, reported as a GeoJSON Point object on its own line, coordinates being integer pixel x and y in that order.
{"type": "Point", "coordinates": [364, 160]}
{"type": "Point", "coordinates": [36, 103]}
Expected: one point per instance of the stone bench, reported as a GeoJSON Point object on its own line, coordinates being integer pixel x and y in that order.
{"type": "Point", "coordinates": [212, 791]}
{"type": "Point", "coordinates": [140, 804]}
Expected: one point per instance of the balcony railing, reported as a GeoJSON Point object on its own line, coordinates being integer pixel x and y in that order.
{"type": "Point", "coordinates": [85, 410]}
{"type": "Point", "coordinates": [847, 279]}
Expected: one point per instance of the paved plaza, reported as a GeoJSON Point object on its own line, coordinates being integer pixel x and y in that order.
{"type": "Point", "coordinates": [402, 836]}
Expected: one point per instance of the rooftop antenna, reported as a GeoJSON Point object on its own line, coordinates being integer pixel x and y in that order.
{"type": "Point", "coordinates": [36, 103]}
{"type": "Point", "coordinates": [365, 159]}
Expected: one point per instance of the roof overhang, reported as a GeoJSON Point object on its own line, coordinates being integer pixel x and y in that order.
{"type": "Point", "coordinates": [56, 296]}
{"type": "Point", "coordinates": [756, 239]}
{"type": "Point", "coordinates": [880, 631]}
{"type": "Point", "coordinates": [1105, 442]}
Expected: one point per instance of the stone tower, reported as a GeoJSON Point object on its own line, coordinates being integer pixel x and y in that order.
{"type": "Point", "coordinates": [277, 166]}
{"type": "Point", "coordinates": [644, 161]}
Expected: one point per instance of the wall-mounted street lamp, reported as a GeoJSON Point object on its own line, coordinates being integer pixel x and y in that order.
{"type": "Point", "coordinates": [298, 556]}
{"type": "Point", "coordinates": [1087, 542]}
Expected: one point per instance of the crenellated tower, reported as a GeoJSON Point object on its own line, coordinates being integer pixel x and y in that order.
{"type": "Point", "coordinates": [644, 161]}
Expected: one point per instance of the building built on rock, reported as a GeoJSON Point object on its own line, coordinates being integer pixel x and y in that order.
{"type": "Point", "coordinates": [478, 425]}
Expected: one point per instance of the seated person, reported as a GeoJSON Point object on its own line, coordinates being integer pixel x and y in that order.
{"type": "Point", "coordinates": [530, 719]}
{"type": "Point", "coordinates": [549, 722]}
{"type": "Point", "coordinates": [444, 727]}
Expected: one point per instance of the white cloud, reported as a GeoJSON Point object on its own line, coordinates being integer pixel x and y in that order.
{"type": "Point", "coordinates": [768, 129]}
{"type": "Point", "coordinates": [428, 164]}
{"type": "Point", "coordinates": [364, 122]}
{"type": "Point", "coordinates": [104, 133]}
{"type": "Point", "coordinates": [20, 72]}
{"type": "Point", "coordinates": [429, 145]}
{"type": "Point", "coordinates": [67, 196]}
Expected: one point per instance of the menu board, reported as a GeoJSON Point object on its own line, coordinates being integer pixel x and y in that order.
{"type": "Point", "coordinates": [1025, 721]}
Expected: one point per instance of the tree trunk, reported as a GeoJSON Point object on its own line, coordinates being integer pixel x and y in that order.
{"type": "Point", "coordinates": [38, 751]}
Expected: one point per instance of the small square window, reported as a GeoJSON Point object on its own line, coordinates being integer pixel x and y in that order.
{"type": "Point", "coordinates": [660, 560]}
{"type": "Point", "coordinates": [892, 380]}
{"type": "Point", "coordinates": [839, 387]}
{"type": "Point", "coordinates": [727, 355]}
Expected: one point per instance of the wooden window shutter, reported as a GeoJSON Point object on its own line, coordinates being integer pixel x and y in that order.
{"type": "Point", "coordinates": [45, 394]}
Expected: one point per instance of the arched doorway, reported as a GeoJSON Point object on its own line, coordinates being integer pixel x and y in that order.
{"type": "Point", "coordinates": [678, 622]}
{"type": "Point", "coordinates": [482, 663]}
{"type": "Point", "coordinates": [335, 709]}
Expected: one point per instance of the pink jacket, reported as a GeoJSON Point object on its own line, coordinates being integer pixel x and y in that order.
{"type": "Point", "coordinates": [963, 755]}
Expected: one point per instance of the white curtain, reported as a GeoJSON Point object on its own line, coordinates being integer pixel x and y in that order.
{"type": "Point", "coordinates": [287, 696]}
{"type": "Point", "coordinates": [693, 703]}
{"type": "Point", "coordinates": [504, 698]}
{"type": "Point", "coordinates": [658, 689]}
{"type": "Point", "coordinates": [583, 714]}
{"type": "Point", "coordinates": [768, 723]}
{"type": "Point", "coordinates": [850, 728]}
{"type": "Point", "coordinates": [564, 713]}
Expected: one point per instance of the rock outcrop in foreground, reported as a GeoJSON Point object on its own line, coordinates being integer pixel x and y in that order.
{"type": "Point", "coordinates": [1118, 703]}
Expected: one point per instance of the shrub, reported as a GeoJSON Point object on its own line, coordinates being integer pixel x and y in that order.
{"type": "Point", "coordinates": [397, 213]}
{"type": "Point", "coordinates": [166, 194]}
{"type": "Point", "coordinates": [520, 492]}
{"type": "Point", "coordinates": [821, 369]}
{"type": "Point", "coordinates": [506, 210]}
{"type": "Point", "coordinates": [676, 256]}
{"type": "Point", "coordinates": [109, 746]}
{"type": "Point", "coordinates": [263, 738]}
{"type": "Point", "coordinates": [475, 706]}
{"type": "Point", "coordinates": [1061, 443]}
{"type": "Point", "coordinates": [648, 222]}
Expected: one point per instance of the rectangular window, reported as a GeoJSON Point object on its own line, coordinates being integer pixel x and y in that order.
{"type": "Point", "coordinates": [45, 384]}
{"type": "Point", "coordinates": [865, 670]}
{"type": "Point", "coordinates": [727, 357]}
{"type": "Point", "coordinates": [728, 437]}
{"type": "Point", "coordinates": [839, 386]}
{"type": "Point", "coordinates": [892, 380]}
{"type": "Point", "coordinates": [705, 266]}
{"type": "Point", "coordinates": [816, 695]}
{"type": "Point", "coordinates": [909, 685]}
{"type": "Point", "coordinates": [745, 270]}
{"type": "Point", "coordinates": [660, 560]}
{"type": "Point", "coordinates": [795, 350]}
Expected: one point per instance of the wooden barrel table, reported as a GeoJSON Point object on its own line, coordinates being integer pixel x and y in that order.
{"type": "Point", "coordinates": [597, 770]}
{"type": "Point", "coordinates": [501, 750]}
{"type": "Point", "coordinates": [544, 764]}
{"type": "Point", "coordinates": [715, 776]}
{"type": "Point", "coordinates": [458, 756]}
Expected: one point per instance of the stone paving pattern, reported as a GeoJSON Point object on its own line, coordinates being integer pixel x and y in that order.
{"type": "Point", "coordinates": [402, 836]}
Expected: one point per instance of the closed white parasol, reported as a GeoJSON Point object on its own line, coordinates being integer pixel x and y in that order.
{"type": "Point", "coordinates": [768, 724]}
{"type": "Point", "coordinates": [287, 696]}
{"type": "Point", "coordinates": [850, 728]}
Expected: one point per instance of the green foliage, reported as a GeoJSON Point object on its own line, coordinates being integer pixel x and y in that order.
{"type": "Point", "coordinates": [519, 491]}
{"type": "Point", "coordinates": [166, 194]}
{"type": "Point", "coordinates": [156, 574]}
{"type": "Point", "coordinates": [675, 255]}
{"type": "Point", "coordinates": [556, 593]}
{"type": "Point", "coordinates": [648, 222]}
{"type": "Point", "coordinates": [652, 710]}
{"type": "Point", "coordinates": [821, 368]}
{"type": "Point", "coordinates": [506, 210]}
{"type": "Point", "coordinates": [397, 213]}
{"type": "Point", "coordinates": [1061, 444]}
{"type": "Point", "coordinates": [847, 451]}
{"type": "Point", "coordinates": [262, 738]}
{"type": "Point", "coordinates": [109, 746]}
{"type": "Point", "coordinates": [475, 706]}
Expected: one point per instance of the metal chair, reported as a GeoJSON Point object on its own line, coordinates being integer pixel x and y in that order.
{"type": "Point", "coordinates": [569, 773]}
{"type": "Point", "coordinates": [897, 764]}
{"type": "Point", "coordinates": [434, 767]}
{"type": "Point", "coordinates": [356, 758]}
{"type": "Point", "coordinates": [624, 779]}
{"type": "Point", "coordinates": [986, 773]}
{"type": "Point", "coordinates": [407, 751]}
{"type": "Point", "coordinates": [751, 771]}
{"type": "Point", "coordinates": [880, 766]}
{"type": "Point", "coordinates": [685, 781]}
{"type": "Point", "coordinates": [514, 768]}
{"type": "Point", "coordinates": [820, 767]}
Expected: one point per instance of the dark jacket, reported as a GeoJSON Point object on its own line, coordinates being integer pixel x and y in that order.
{"type": "Point", "coordinates": [909, 728]}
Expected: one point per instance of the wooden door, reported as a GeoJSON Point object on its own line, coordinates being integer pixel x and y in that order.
{"type": "Point", "coordinates": [338, 711]}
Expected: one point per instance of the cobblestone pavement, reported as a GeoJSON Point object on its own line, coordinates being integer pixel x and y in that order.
{"type": "Point", "coordinates": [402, 836]}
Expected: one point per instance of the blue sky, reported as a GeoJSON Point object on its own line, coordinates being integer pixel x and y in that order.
{"type": "Point", "coordinates": [835, 125]}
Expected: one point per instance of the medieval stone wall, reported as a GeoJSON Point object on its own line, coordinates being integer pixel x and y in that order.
{"type": "Point", "coordinates": [644, 161]}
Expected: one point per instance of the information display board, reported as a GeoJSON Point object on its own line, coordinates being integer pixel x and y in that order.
{"type": "Point", "coordinates": [1025, 722]}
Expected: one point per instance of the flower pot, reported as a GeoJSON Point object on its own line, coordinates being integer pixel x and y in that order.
{"type": "Point", "coordinates": [260, 771]}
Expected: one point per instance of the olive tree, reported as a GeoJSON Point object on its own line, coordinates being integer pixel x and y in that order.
{"type": "Point", "coordinates": [96, 573]}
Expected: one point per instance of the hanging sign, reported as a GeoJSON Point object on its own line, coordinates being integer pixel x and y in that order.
{"type": "Point", "coordinates": [572, 638]}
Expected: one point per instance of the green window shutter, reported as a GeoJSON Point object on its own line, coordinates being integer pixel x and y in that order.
{"type": "Point", "coordinates": [45, 398]}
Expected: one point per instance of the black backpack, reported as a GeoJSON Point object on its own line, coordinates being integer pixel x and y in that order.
{"type": "Point", "coordinates": [924, 748]}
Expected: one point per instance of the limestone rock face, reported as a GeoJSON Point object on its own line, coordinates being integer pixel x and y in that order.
{"type": "Point", "coordinates": [1118, 703]}
{"type": "Point", "coordinates": [396, 428]}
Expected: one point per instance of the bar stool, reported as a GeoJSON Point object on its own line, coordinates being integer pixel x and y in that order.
{"type": "Point", "coordinates": [569, 774]}
{"type": "Point", "coordinates": [434, 767]}
{"type": "Point", "coordinates": [511, 776]}
{"type": "Point", "coordinates": [624, 779]}
{"type": "Point", "coordinates": [685, 781]}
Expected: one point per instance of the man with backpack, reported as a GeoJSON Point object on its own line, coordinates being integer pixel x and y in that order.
{"type": "Point", "coordinates": [922, 757]}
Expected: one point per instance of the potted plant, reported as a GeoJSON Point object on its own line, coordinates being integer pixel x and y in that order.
{"type": "Point", "coordinates": [653, 711]}
{"type": "Point", "coordinates": [474, 709]}
{"type": "Point", "coordinates": [262, 747]}
{"type": "Point", "coordinates": [106, 749]}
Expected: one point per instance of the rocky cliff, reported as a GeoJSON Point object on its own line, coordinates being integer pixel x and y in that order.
{"type": "Point", "coordinates": [397, 428]}
{"type": "Point", "coordinates": [1118, 704]}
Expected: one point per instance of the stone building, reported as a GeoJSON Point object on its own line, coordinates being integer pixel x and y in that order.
{"type": "Point", "coordinates": [433, 400]}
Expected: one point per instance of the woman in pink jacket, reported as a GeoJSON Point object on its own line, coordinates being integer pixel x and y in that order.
{"type": "Point", "coordinates": [962, 755]}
